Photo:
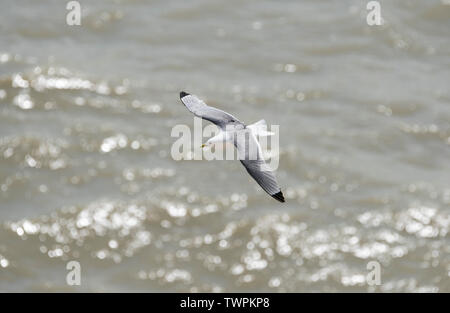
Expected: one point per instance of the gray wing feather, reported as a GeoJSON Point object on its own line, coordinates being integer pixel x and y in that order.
{"type": "Point", "coordinates": [200, 109]}
{"type": "Point", "coordinates": [251, 157]}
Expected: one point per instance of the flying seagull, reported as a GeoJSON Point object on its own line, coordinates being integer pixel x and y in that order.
{"type": "Point", "coordinates": [244, 139]}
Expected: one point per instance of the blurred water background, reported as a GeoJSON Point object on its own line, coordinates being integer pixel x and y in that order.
{"type": "Point", "coordinates": [86, 173]}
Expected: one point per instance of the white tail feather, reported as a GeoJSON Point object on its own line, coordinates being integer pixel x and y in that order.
{"type": "Point", "coordinates": [260, 128]}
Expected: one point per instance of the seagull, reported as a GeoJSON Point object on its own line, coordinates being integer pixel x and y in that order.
{"type": "Point", "coordinates": [242, 136]}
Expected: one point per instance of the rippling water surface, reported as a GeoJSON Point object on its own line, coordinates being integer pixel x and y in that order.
{"type": "Point", "coordinates": [86, 173]}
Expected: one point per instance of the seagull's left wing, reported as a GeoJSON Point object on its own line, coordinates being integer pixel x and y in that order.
{"type": "Point", "coordinates": [251, 157]}
{"type": "Point", "coordinates": [200, 109]}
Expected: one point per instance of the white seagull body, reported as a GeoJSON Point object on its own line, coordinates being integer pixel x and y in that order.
{"type": "Point", "coordinates": [244, 139]}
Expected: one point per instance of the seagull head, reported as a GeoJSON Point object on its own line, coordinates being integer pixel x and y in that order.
{"type": "Point", "coordinates": [207, 145]}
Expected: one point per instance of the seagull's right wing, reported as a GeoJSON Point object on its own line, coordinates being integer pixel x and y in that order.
{"type": "Point", "coordinates": [251, 157]}
{"type": "Point", "coordinates": [200, 109]}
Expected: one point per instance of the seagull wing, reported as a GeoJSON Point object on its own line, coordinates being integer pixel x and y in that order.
{"type": "Point", "coordinates": [251, 157]}
{"type": "Point", "coordinates": [200, 109]}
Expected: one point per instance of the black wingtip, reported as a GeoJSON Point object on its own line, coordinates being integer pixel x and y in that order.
{"type": "Point", "coordinates": [279, 196]}
{"type": "Point", "coordinates": [183, 94]}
